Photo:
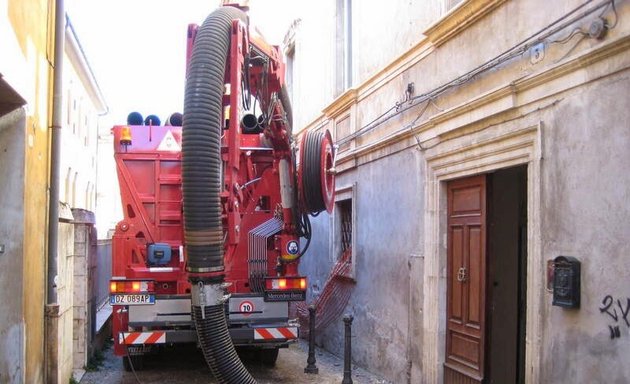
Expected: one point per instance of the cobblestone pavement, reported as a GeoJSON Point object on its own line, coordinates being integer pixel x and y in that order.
{"type": "Point", "coordinates": [185, 365]}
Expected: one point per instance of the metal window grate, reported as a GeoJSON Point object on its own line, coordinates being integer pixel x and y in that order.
{"type": "Point", "coordinates": [345, 214]}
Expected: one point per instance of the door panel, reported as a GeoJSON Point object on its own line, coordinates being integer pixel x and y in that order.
{"type": "Point", "coordinates": [466, 281]}
{"type": "Point", "coordinates": [474, 281]}
{"type": "Point", "coordinates": [456, 302]}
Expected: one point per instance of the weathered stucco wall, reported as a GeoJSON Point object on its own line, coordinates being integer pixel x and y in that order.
{"type": "Point", "coordinates": [12, 239]}
{"type": "Point", "coordinates": [312, 48]}
{"type": "Point", "coordinates": [26, 54]}
{"type": "Point", "coordinates": [65, 296]}
{"type": "Point", "coordinates": [85, 280]}
{"type": "Point", "coordinates": [586, 190]}
{"type": "Point", "coordinates": [388, 237]}
{"type": "Point", "coordinates": [388, 265]}
{"type": "Point", "coordinates": [383, 30]}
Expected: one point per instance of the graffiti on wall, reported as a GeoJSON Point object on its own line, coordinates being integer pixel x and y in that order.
{"type": "Point", "coordinates": [609, 307]}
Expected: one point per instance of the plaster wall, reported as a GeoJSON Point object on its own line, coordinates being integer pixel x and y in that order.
{"type": "Point", "coordinates": [380, 33]}
{"type": "Point", "coordinates": [108, 204]}
{"type": "Point", "coordinates": [12, 239]}
{"type": "Point", "coordinates": [313, 66]}
{"type": "Point", "coordinates": [35, 252]}
{"type": "Point", "coordinates": [65, 298]}
{"type": "Point", "coordinates": [26, 55]}
{"type": "Point", "coordinates": [585, 213]}
{"type": "Point", "coordinates": [84, 305]}
{"type": "Point", "coordinates": [77, 183]}
{"type": "Point", "coordinates": [384, 30]}
{"type": "Point", "coordinates": [389, 239]}
{"type": "Point", "coordinates": [317, 260]}
{"type": "Point", "coordinates": [432, 66]}
{"type": "Point", "coordinates": [388, 265]}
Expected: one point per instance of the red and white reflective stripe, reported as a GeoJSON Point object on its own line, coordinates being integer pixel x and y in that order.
{"type": "Point", "coordinates": [142, 337]}
{"type": "Point", "coordinates": [275, 333]}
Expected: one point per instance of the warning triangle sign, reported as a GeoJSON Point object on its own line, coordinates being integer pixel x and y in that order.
{"type": "Point", "coordinates": [169, 143]}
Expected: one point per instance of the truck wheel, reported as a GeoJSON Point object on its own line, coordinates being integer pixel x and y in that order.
{"type": "Point", "coordinates": [269, 356]}
{"type": "Point", "coordinates": [136, 360]}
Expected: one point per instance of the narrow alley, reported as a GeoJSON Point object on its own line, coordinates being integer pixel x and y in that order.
{"type": "Point", "coordinates": [185, 364]}
{"type": "Point", "coordinates": [444, 183]}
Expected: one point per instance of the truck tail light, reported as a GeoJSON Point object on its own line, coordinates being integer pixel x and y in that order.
{"type": "Point", "coordinates": [131, 286]}
{"type": "Point", "coordinates": [286, 283]}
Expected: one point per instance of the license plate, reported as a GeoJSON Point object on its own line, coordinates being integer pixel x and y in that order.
{"type": "Point", "coordinates": [135, 299]}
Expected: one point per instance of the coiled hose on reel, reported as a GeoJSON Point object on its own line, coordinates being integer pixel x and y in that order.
{"type": "Point", "coordinates": [201, 181]}
{"type": "Point", "coordinates": [316, 177]}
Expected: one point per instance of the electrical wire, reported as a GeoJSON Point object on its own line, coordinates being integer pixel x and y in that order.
{"type": "Point", "coordinates": [257, 58]}
{"type": "Point", "coordinates": [246, 94]}
{"type": "Point", "coordinates": [436, 106]}
{"type": "Point", "coordinates": [563, 40]}
{"type": "Point", "coordinates": [305, 231]}
{"type": "Point", "coordinates": [262, 89]}
{"type": "Point", "coordinates": [567, 53]}
{"type": "Point", "coordinates": [579, 31]}
{"type": "Point", "coordinates": [517, 50]}
{"type": "Point", "coordinates": [612, 3]}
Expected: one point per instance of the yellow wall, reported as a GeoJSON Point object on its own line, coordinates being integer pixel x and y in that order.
{"type": "Point", "coordinates": [32, 23]}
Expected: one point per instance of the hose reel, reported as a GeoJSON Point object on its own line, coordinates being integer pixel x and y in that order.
{"type": "Point", "coordinates": [316, 174]}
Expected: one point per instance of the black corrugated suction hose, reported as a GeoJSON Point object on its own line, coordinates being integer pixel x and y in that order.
{"type": "Point", "coordinates": [201, 180]}
{"type": "Point", "coordinates": [219, 351]}
{"type": "Point", "coordinates": [201, 141]}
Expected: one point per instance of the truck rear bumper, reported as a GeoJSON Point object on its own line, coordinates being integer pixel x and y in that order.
{"type": "Point", "coordinates": [240, 336]}
{"type": "Point", "coordinates": [251, 322]}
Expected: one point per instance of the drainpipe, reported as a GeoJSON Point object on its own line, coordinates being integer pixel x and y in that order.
{"type": "Point", "coordinates": [55, 151]}
{"type": "Point", "coordinates": [52, 307]}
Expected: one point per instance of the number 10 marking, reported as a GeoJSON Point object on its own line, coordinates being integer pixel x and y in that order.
{"type": "Point", "coordinates": [246, 307]}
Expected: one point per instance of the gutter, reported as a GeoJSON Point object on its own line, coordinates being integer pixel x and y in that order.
{"type": "Point", "coordinates": [51, 309]}
{"type": "Point", "coordinates": [55, 152]}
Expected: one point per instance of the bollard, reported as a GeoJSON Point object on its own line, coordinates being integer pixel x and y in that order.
{"type": "Point", "coordinates": [311, 367]}
{"type": "Point", "coordinates": [347, 358]}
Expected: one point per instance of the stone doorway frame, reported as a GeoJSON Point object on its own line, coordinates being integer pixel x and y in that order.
{"type": "Point", "coordinates": [500, 146]}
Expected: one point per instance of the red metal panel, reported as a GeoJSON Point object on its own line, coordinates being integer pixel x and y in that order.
{"type": "Point", "coordinates": [149, 175]}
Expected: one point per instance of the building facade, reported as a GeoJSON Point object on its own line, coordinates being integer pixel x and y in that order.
{"type": "Point", "coordinates": [26, 57]}
{"type": "Point", "coordinates": [481, 171]}
{"type": "Point", "coordinates": [83, 106]}
{"type": "Point", "coordinates": [37, 337]}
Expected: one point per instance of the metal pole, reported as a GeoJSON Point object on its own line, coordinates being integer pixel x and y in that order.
{"type": "Point", "coordinates": [55, 152]}
{"type": "Point", "coordinates": [311, 367]}
{"type": "Point", "coordinates": [347, 358]}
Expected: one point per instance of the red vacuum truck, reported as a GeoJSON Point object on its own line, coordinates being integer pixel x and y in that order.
{"type": "Point", "coordinates": [215, 203]}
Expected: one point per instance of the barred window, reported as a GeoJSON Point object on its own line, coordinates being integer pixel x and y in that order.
{"type": "Point", "coordinates": [345, 225]}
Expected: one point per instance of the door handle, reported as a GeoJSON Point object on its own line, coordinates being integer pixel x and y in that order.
{"type": "Point", "coordinates": [461, 274]}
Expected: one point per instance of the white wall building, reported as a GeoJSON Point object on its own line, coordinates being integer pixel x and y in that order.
{"type": "Point", "coordinates": [83, 106]}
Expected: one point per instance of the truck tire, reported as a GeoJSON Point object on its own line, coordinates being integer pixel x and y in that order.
{"type": "Point", "coordinates": [269, 356]}
{"type": "Point", "coordinates": [136, 360]}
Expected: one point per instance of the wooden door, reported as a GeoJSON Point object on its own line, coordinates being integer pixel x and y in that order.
{"type": "Point", "coordinates": [466, 281]}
